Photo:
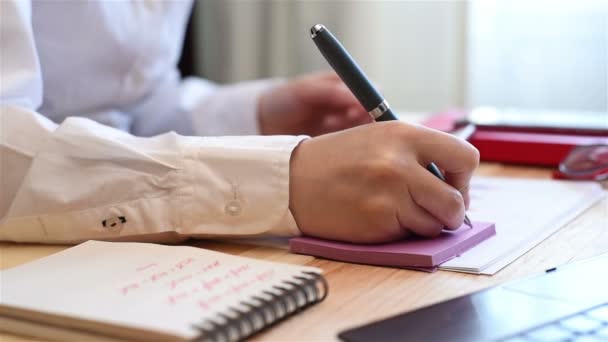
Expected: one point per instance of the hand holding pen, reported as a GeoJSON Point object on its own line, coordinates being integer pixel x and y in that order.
{"type": "Point", "coordinates": [356, 80]}
{"type": "Point", "coordinates": [372, 184]}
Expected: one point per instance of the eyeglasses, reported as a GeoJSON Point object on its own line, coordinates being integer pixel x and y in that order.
{"type": "Point", "coordinates": [585, 163]}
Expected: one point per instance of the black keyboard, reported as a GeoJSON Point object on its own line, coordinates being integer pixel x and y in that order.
{"type": "Point", "coordinates": [586, 326]}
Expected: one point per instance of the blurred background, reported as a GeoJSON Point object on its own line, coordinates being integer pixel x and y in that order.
{"type": "Point", "coordinates": [423, 55]}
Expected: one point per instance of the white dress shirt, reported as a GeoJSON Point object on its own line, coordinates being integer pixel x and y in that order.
{"type": "Point", "coordinates": [101, 139]}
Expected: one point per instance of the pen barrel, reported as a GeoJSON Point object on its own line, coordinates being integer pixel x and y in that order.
{"type": "Point", "coordinates": [435, 171]}
{"type": "Point", "coordinates": [348, 70]}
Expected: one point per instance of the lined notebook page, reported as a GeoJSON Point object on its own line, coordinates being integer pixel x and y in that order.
{"type": "Point", "coordinates": [166, 289]}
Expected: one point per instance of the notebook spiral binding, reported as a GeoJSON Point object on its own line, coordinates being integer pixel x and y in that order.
{"type": "Point", "coordinates": [264, 311]}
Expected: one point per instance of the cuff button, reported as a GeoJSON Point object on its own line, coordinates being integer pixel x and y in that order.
{"type": "Point", "coordinates": [233, 208]}
{"type": "Point", "coordinates": [114, 223]}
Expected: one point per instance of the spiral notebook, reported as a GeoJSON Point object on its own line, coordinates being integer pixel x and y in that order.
{"type": "Point", "coordinates": [136, 291]}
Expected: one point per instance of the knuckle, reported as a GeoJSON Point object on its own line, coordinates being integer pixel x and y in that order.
{"type": "Point", "coordinates": [377, 222]}
{"type": "Point", "coordinates": [396, 129]}
{"type": "Point", "coordinates": [385, 168]}
{"type": "Point", "coordinates": [473, 154]}
{"type": "Point", "coordinates": [454, 208]}
{"type": "Point", "coordinates": [376, 208]}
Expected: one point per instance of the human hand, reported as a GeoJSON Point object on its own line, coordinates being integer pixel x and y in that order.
{"type": "Point", "coordinates": [369, 184]}
{"type": "Point", "coordinates": [312, 105]}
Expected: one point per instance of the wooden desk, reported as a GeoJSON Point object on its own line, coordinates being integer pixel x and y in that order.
{"type": "Point", "coordinates": [359, 294]}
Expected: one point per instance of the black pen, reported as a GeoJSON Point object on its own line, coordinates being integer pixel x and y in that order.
{"type": "Point", "coordinates": [358, 83]}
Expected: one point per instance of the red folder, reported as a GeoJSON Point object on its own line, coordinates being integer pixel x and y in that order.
{"type": "Point", "coordinates": [517, 147]}
{"type": "Point", "coordinates": [528, 148]}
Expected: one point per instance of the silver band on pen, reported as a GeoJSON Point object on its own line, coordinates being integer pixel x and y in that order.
{"type": "Point", "coordinates": [380, 109]}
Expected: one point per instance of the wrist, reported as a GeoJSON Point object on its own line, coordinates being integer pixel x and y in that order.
{"type": "Point", "coordinates": [295, 180]}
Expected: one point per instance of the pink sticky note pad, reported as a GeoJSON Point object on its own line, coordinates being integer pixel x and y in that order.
{"type": "Point", "coordinates": [414, 252]}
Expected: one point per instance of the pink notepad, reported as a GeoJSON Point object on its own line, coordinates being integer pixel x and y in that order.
{"type": "Point", "coordinates": [415, 252]}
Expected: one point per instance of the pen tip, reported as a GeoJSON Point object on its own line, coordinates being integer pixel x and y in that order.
{"type": "Point", "coordinates": [467, 221]}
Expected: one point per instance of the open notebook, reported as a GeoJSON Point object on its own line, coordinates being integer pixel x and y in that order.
{"type": "Point", "coordinates": [104, 290]}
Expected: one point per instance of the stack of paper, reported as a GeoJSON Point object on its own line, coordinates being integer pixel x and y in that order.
{"type": "Point", "coordinates": [526, 211]}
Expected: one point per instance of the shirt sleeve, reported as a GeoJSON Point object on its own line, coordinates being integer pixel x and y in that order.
{"type": "Point", "coordinates": [225, 109]}
{"type": "Point", "coordinates": [80, 180]}
{"type": "Point", "coordinates": [195, 106]}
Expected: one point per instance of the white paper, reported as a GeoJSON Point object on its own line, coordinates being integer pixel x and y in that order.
{"type": "Point", "coordinates": [526, 211]}
{"type": "Point", "coordinates": [152, 287]}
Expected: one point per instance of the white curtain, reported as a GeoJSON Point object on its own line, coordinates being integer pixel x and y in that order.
{"type": "Point", "coordinates": [424, 55]}
{"type": "Point", "coordinates": [538, 54]}
{"type": "Point", "coordinates": [413, 50]}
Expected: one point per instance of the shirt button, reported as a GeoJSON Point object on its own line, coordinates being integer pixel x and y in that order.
{"type": "Point", "coordinates": [233, 208]}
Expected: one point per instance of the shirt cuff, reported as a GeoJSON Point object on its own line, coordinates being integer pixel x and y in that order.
{"type": "Point", "coordinates": [231, 109]}
{"type": "Point", "coordinates": [237, 186]}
